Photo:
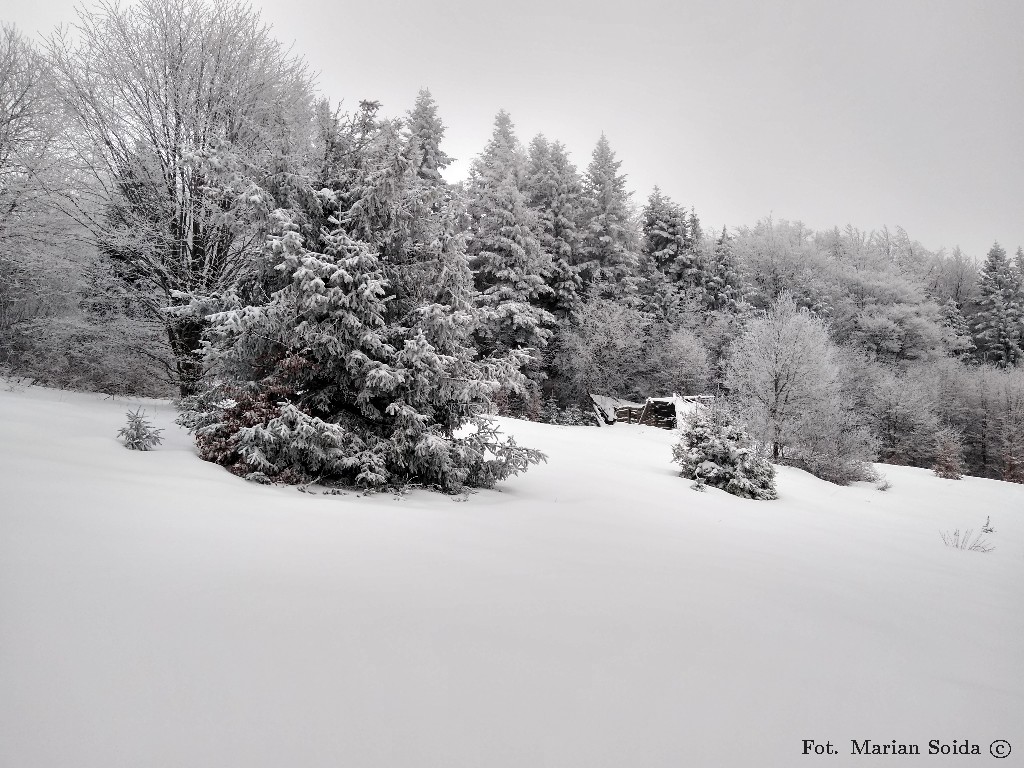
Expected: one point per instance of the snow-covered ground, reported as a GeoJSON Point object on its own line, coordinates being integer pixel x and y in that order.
{"type": "Point", "coordinates": [156, 611]}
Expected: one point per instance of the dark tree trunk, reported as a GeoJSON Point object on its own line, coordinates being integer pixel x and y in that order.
{"type": "Point", "coordinates": [184, 335]}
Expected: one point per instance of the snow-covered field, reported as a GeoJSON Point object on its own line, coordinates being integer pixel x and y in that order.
{"type": "Point", "coordinates": [156, 611]}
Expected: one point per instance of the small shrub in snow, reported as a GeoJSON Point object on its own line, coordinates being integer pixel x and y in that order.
{"type": "Point", "coordinates": [830, 444]}
{"type": "Point", "coordinates": [714, 451]}
{"type": "Point", "coordinates": [966, 540]}
{"type": "Point", "coordinates": [949, 455]}
{"type": "Point", "coordinates": [882, 483]}
{"type": "Point", "coordinates": [138, 434]}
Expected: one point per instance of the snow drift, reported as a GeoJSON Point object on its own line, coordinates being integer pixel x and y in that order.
{"type": "Point", "coordinates": [155, 610]}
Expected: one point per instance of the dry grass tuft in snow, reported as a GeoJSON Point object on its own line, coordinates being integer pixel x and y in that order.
{"type": "Point", "coordinates": [965, 541]}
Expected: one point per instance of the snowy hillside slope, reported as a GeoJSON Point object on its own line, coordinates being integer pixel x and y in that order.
{"type": "Point", "coordinates": [156, 611]}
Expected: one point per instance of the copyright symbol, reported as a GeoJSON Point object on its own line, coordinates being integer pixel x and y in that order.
{"type": "Point", "coordinates": [1000, 748]}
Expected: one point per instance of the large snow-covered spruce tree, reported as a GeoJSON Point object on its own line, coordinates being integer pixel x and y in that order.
{"type": "Point", "coordinates": [316, 384]}
{"type": "Point", "coordinates": [352, 361]}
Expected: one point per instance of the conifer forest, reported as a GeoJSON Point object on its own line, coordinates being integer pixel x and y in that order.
{"type": "Point", "coordinates": [184, 214]}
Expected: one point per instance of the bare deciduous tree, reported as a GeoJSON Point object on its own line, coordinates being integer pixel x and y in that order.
{"type": "Point", "coordinates": [785, 380]}
{"type": "Point", "coordinates": [616, 350]}
{"type": "Point", "coordinates": [28, 227]}
{"type": "Point", "coordinates": [186, 117]}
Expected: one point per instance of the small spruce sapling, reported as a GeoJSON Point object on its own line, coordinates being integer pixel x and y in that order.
{"type": "Point", "coordinates": [572, 416]}
{"type": "Point", "coordinates": [949, 452]}
{"type": "Point", "coordinates": [138, 434]}
{"type": "Point", "coordinates": [714, 451]}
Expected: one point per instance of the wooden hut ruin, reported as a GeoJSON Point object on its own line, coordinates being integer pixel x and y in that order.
{"type": "Point", "coordinates": [663, 412]}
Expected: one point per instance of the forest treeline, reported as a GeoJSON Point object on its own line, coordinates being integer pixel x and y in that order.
{"type": "Point", "coordinates": [183, 213]}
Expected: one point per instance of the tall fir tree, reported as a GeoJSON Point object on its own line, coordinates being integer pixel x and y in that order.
{"type": "Point", "coordinates": [508, 262]}
{"type": "Point", "coordinates": [415, 221]}
{"type": "Point", "coordinates": [554, 190]}
{"type": "Point", "coordinates": [424, 133]}
{"type": "Point", "coordinates": [610, 235]}
{"type": "Point", "coordinates": [721, 288]}
{"type": "Point", "coordinates": [663, 234]}
{"type": "Point", "coordinates": [664, 231]}
{"type": "Point", "coordinates": [957, 335]}
{"type": "Point", "coordinates": [694, 232]}
{"type": "Point", "coordinates": [375, 187]}
{"type": "Point", "coordinates": [1018, 268]}
{"type": "Point", "coordinates": [1000, 310]}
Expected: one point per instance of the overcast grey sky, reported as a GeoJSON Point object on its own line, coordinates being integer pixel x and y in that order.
{"type": "Point", "coordinates": [884, 112]}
